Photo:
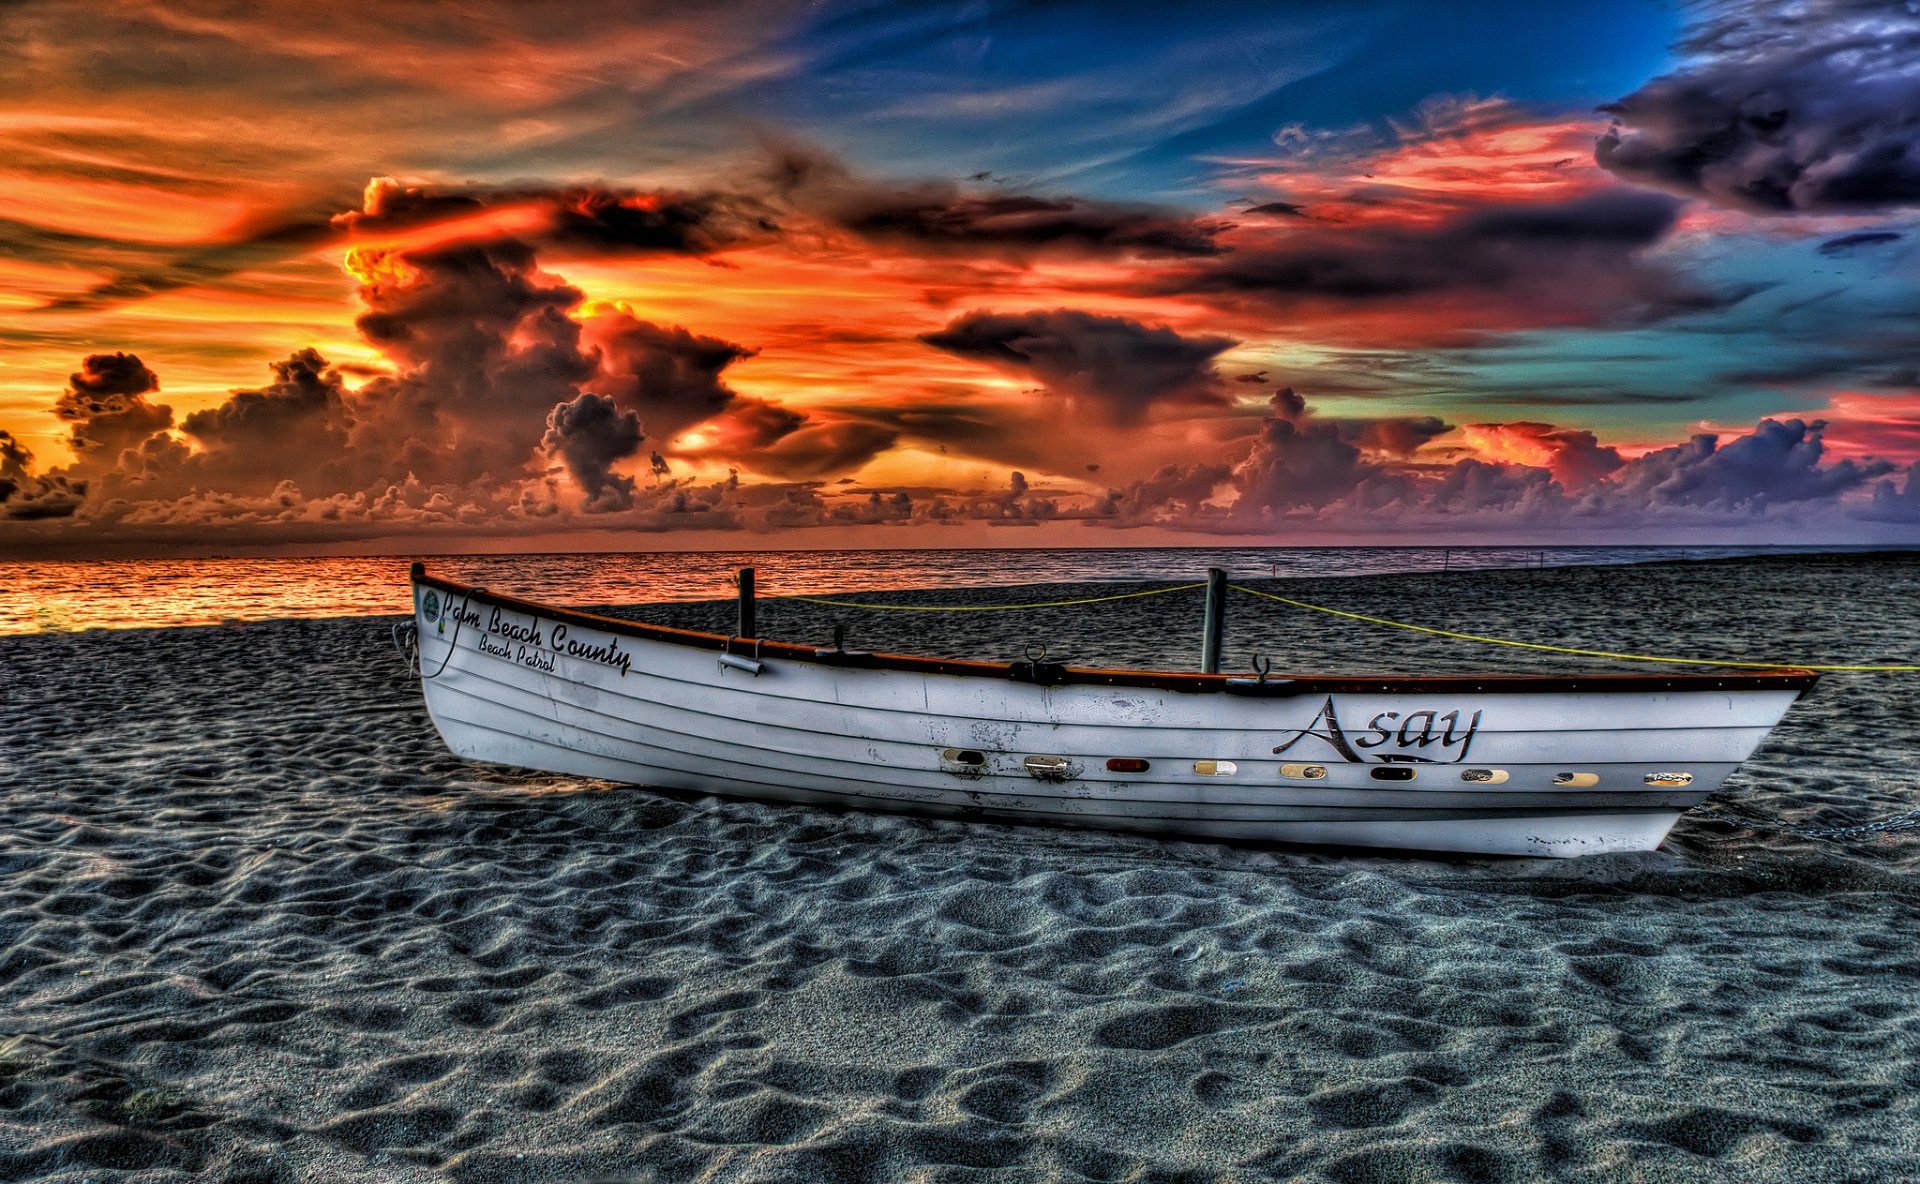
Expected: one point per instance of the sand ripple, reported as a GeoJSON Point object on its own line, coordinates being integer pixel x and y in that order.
{"type": "Point", "coordinates": [256, 925]}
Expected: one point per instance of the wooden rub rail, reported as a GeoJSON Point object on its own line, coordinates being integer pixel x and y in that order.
{"type": "Point", "coordinates": [1795, 679]}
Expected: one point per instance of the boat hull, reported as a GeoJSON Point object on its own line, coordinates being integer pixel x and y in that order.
{"type": "Point", "coordinates": [1516, 767]}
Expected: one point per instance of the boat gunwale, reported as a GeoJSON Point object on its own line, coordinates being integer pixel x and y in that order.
{"type": "Point", "coordinates": [1780, 679]}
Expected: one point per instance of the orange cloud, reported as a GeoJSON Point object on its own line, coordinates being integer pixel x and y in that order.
{"type": "Point", "coordinates": [1454, 154]}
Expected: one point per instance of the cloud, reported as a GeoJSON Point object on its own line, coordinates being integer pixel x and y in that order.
{"type": "Point", "coordinates": [1474, 487]}
{"type": "Point", "coordinates": [1846, 244]}
{"type": "Point", "coordinates": [1278, 209]}
{"type": "Point", "coordinates": [1396, 436]}
{"type": "Point", "coordinates": [939, 218]}
{"type": "Point", "coordinates": [589, 434]}
{"type": "Point", "coordinates": [483, 348]}
{"type": "Point", "coordinates": [577, 220]}
{"type": "Point", "coordinates": [821, 449]}
{"type": "Point", "coordinates": [1897, 503]}
{"type": "Point", "coordinates": [263, 242]}
{"type": "Point", "coordinates": [1777, 464]}
{"type": "Point", "coordinates": [1120, 367]}
{"type": "Point", "coordinates": [1173, 492]}
{"type": "Point", "coordinates": [296, 427]}
{"type": "Point", "coordinates": [24, 497]}
{"type": "Point", "coordinates": [487, 368]}
{"type": "Point", "coordinates": [1450, 153]}
{"type": "Point", "coordinates": [1297, 463]}
{"type": "Point", "coordinates": [670, 377]}
{"type": "Point", "coordinates": [1785, 108]}
{"type": "Point", "coordinates": [1575, 457]}
{"type": "Point", "coordinates": [1579, 261]}
{"type": "Point", "coordinates": [106, 404]}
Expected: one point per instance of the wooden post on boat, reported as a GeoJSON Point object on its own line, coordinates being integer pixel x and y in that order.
{"type": "Point", "coordinates": [1215, 628]}
{"type": "Point", "coordinates": [747, 626]}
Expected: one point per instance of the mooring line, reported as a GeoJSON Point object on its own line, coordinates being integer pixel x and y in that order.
{"type": "Point", "coordinates": [1561, 649]}
{"type": "Point", "coordinates": [988, 608]}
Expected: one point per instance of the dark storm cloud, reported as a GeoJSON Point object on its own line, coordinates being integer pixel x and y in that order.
{"type": "Point", "coordinates": [1846, 244]}
{"type": "Point", "coordinates": [605, 222]}
{"type": "Point", "coordinates": [1539, 259]}
{"type": "Point", "coordinates": [589, 434]}
{"type": "Point", "coordinates": [483, 349]}
{"type": "Point", "coordinates": [669, 376]}
{"type": "Point", "coordinates": [1123, 367]}
{"type": "Point", "coordinates": [941, 218]}
{"type": "Point", "coordinates": [102, 378]}
{"type": "Point", "coordinates": [487, 369]}
{"type": "Point", "coordinates": [986, 432]}
{"type": "Point", "coordinates": [1809, 106]}
{"type": "Point", "coordinates": [106, 404]}
{"type": "Point", "coordinates": [1278, 209]}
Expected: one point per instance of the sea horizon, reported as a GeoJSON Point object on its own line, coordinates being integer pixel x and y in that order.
{"type": "Point", "coordinates": [42, 596]}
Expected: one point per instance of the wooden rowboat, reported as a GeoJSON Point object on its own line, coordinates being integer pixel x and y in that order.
{"type": "Point", "coordinates": [1498, 764]}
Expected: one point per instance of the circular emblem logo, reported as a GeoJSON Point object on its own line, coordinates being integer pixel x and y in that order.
{"type": "Point", "coordinates": [432, 605]}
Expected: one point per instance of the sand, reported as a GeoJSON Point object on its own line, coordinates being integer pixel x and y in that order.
{"type": "Point", "coordinates": [257, 925]}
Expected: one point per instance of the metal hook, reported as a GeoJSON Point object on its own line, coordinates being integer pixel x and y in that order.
{"type": "Point", "coordinates": [1264, 665]}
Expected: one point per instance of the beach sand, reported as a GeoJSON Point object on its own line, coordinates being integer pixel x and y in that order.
{"type": "Point", "coordinates": [257, 925]}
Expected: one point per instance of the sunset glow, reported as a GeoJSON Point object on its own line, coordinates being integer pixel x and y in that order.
{"type": "Point", "coordinates": [470, 276]}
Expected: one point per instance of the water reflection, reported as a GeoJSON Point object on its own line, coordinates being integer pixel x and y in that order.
{"type": "Point", "coordinates": [122, 594]}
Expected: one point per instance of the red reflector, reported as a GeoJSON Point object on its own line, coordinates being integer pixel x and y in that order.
{"type": "Point", "coordinates": [1126, 764]}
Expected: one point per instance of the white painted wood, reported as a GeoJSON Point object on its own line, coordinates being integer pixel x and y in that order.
{"type": "Point", "coordinates": [517, 688]}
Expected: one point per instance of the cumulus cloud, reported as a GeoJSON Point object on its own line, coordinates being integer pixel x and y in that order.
{"type": "Point", "coordinates": [483, 348]}
{"type": "Point", "coordinates": [1794, 106]}
{"type": "Point", "coordinates": [670, 377]}
{"type": "Point", "coordinates": [25, 497]}
{"type": "Point", "coordinates": [489, 362]}
{"type": "Point", "coordinates": [106, 405]}
{"type": "Point", "coordinates": [1297, 463]}
{"type": "Point", "coordinates": [295, 427]}
{"type": "Point", "coordinates": [1574, 456]}
{"type": "Point", "coordinates": [1122, 368]}
{"type": "Point", "coordinates": [590, 434]}
{"type": "Point", "coordinates": [1777, 464]}
{"type": "Point", "coordinates": [1175, 492]}
{"type": "Point", "coordinates": [1897, 502]}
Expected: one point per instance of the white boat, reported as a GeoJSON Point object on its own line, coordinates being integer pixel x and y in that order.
{"type": "Point", "coordinates": [1498, 764]}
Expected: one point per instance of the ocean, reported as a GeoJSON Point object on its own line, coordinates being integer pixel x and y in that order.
{"type": "Point", "coordinates": [52, 597]}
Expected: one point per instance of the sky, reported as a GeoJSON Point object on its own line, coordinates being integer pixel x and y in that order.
{"type": "Point", "coordinates": [498, 276]}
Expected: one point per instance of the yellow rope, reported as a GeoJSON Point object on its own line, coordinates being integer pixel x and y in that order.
{"type": "Point", "coordinates": [986, 608]}
{"type": "Point", "coordinates": [1560, 649]}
